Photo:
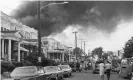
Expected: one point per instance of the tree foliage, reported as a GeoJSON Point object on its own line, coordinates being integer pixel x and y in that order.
{"type": "Point", "coordinates": [98, 51]}
{"type": "Point", "coordinates": [77, 51]}
{"type": "Point", "coordinates": [33, 58]}
{"type": "Point", "coordinates": [128, 49]}
{"type": "Point", "coordinates": [105, 56]}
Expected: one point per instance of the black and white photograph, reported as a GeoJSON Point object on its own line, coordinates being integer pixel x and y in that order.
{"type": "Point", "coordinates": [66, 40]}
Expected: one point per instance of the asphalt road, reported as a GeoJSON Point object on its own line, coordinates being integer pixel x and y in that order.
{"type": "Point", "coordinates": [90, 76]}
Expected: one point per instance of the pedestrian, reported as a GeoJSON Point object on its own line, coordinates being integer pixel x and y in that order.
{"type": "Point", "coordinates": [78, 67]}
{"type": "Point", "coordinates": [83, 66]}
{"type": "Point", "coordinates": [108, 69]}
{"type": "Point", "coordinates": [101, 70]}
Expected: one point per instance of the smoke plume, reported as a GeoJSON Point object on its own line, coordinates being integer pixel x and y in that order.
{"type": "Point", "coordinates": [103, 15]}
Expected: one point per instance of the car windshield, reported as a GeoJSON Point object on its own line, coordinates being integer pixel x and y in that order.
{"type": "Point", "coordinates": [64, 66]}
{"type": "Point", "coordinates": [124, 62]}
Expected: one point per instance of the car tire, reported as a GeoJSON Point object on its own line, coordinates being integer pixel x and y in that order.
{"type": "Point", "coordinates": [70, 74]}
{"type": "Point", "coordinates": [56, 78]}
{"type": "Point", "coordinates": [61, 78]}
{"type": "Point", "coordinates": [67, 75]}
{"type": "Point", "coordinates": [94, 72]}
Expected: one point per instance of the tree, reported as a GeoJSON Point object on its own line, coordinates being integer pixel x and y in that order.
{"type": "Point", "coordinates": [33, 59]}
{"type": "Point", "coordinates": [98, 51]}
{"type": "Point", "coordinates": [77, 51]}
{"type": "Point", "coordinates": [105, 56]}
{"type": "Point", "coordinates": [128, 49]}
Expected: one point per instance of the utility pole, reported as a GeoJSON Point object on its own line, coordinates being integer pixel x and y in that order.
{"type": "Point", "coordinates": [81, 42]}
{"type": "Point", "coordinates": [39, 32]}
{"type": "Point", "coordinates": [81, 46]}
{"type": "Point", "coordinates": [84, 49]}
{"type": "Point", "coordinates": [75, 32]}
{"type": "Point", "coordinates": [118, 53]}
{"type": "Point", "coordinates": [84, 46]}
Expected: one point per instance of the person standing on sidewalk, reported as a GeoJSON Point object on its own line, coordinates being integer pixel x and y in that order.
{"type": "Point", "coordinates": [101, 70]}
{"type": "Point", "coordinates": [108, 69]}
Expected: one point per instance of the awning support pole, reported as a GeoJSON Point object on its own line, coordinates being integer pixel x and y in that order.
{"type": "Point", "coordinates": [18, 51]}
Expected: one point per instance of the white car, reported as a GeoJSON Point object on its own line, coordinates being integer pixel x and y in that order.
{"type": "Point", "coordinates": [28, 72]}
{"type": "Point", "coordinates": [66, 69]}
{"type": "Point", "coordinates": [55, 71]}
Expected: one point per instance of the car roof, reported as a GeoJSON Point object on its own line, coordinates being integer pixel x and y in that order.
{"type": "Point", "coordinates": [63, 65]}
{"type": "Point", "coordinates": [27, 67]}
{"type": "Point", "coordinates": [51, 66]}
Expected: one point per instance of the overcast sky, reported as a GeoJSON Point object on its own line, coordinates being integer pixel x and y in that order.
{"type": "Point", "coordinates": [95, 37]}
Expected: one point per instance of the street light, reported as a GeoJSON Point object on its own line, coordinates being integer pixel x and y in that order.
{"type": "Point", "coordinates": [52, 4]}
{"type": "Point", "coordinates": [39, 29]}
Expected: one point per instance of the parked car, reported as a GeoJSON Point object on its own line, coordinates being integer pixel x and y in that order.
{"type": "Point", "coordinates": [55, 71]}
{"type": "Point", "coordinates": [29, 73]}
{"type": "Point", "coordinates": [67, 70]}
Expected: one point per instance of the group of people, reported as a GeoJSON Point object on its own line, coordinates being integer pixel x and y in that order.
{"type": "Point", "coordinates": [105, 67]}
{"type": "Point", "coordinates": [82, 66]}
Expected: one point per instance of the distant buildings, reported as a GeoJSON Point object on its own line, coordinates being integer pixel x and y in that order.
{"type": "Point", "coordinates": [19, 40]}
{"type": "Point", "coordinates": [55, 50]}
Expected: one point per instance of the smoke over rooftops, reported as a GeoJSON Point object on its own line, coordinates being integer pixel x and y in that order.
{"type": "Point", "coordinates": [103, 15]}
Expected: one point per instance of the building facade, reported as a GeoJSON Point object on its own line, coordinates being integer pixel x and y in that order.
{"type": "Point", "coordinates": [19, 40]}
{"type": "Point", "coordinates": [55, 50]}
{"type": "Point", "coordinates": [13, 33]}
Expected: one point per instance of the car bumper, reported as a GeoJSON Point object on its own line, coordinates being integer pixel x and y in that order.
{"type": "Point", "coordinates": [53, 76]}
{"type": "Point", "coordinates": [66, 72]}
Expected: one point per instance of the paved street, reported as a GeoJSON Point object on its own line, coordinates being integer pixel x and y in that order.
{"type": "Point", "coordinates": [90, 76]}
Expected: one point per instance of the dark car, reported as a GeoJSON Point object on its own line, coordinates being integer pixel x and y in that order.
{"type": "Point", "coordinates": [96, 67]}
{"type": "Point", "coordinates": [55, 71]}
{"type": "Point", "coordinates": [66, 69]}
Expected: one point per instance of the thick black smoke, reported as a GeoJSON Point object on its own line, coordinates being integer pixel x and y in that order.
{"type": "Point", "coordinates": [103, 15]}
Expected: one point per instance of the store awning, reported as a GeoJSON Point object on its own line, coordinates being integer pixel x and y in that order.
{"type": "Point", "coordinates": [29, 42]}
{"type": "Point", "coordinates": [14, 35]}
{"type": "Point", "coordinates": [23, 49]}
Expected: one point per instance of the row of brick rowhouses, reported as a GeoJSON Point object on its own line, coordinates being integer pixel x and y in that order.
{"type": "Point", "coordinates": [19, 40]}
